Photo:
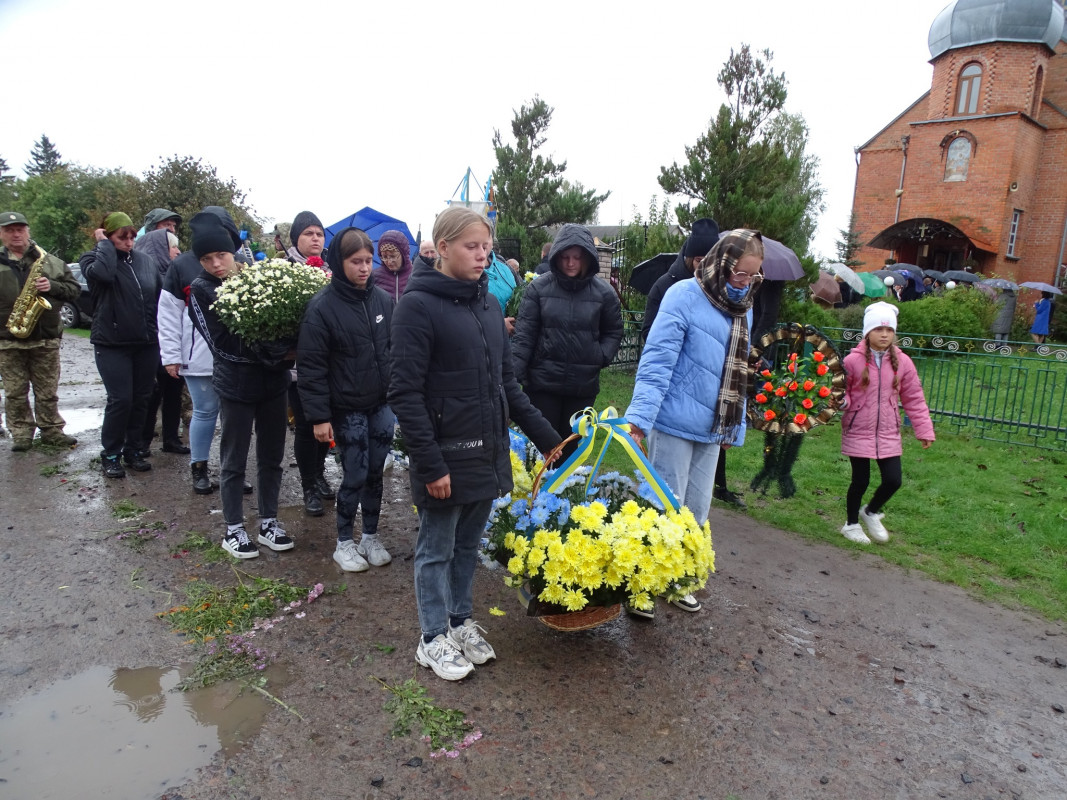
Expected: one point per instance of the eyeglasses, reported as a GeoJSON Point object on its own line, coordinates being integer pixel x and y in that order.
{"type": "Point", "coordinates": [744, 276]}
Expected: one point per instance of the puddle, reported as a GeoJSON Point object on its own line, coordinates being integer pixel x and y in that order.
{"type": "Point", "coordinates": [119, 733]}
{"type": "Point", "coordinates": [82, 419]}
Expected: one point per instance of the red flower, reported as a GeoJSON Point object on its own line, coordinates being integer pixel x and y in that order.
{"type": "Point", "coordinates": [780, 392]}
{"type": "Point", "coordinates": [817, 357]}
{"type": "Point", "coordinates": [824, 391]}
{"type": "Point", "coordinates": [768, 387]}
{"type": "Point", "coordinates": [792, 356]}
{"type": "Point", "coordinates": [806, 403]}
{"type": "Point", "coordinates": [809, 385]}
{"type": "Point", "coordinates": [315, 261]}
{"type": "Point", "coordinates": [793, 386]}
{"type": "Point", "coordinates": [822, 369]}
{"type": "Point", "coordinates": [766, 373]}
{"type": "Point", "coordinates": [769, 415]}
{"type": "Point", "coordinates": [761, 398]}
{"type": "Point", "coordinates": [792, 367]}
{"type": "Point", "coordinates": [800, 419]}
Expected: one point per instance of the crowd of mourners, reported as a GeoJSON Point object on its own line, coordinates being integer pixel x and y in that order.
{"type": "Point", "coordinates": [421, 342]}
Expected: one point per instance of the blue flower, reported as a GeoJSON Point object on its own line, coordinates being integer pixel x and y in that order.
{"type": "Point", "coordinates": [564, 514]}
{"type": "Point", "coordinates": [518, 508]}
{"type": "Point", "coordinates": [539, 516]}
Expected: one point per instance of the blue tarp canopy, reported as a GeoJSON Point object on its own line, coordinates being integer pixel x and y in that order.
{"type": "Point", "coordinates": [372, 222]}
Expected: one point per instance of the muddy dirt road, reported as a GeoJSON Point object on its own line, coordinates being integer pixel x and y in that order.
{"type": "Point", "coordinates": [812, 672]}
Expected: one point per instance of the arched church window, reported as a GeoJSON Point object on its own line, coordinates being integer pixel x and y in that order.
{"type": "Point", "coordinates": [970, 84]}
{"type": "Point", "coordinates": [958, 160]}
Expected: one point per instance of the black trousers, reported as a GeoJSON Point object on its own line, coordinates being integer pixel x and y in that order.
{"type": "Point", "coordinates": [127, 372]}
{"type": "Point", "coordinates": [168, 393]}
{"type": "Point", "coordinates": [558, 410]}
{"type": "Point", "coordinates": [892, 477]}
{"type": "Point", "coordinates": [310, 452]}
{"type": "Point", "coordinates": [238, 419]}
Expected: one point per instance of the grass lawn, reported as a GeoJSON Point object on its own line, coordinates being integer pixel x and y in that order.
{"type": "Point", "coordinates": [986, 516]}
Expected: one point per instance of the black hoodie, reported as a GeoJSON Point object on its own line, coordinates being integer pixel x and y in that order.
{"type": "Point", "coordinates": [452, 389]}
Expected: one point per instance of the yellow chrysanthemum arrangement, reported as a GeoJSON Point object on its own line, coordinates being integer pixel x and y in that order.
{"type": "Point", "coordinates": [596, 548]}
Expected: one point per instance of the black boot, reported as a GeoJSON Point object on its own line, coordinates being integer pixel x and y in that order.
{"type": "Point", "coordinates": [312, 502]}
{"type": "Point", "coordinates": [322, 486]}
{"type": "Point", "coordinates": [201, 481]}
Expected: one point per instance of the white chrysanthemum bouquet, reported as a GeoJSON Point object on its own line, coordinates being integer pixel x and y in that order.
{"type": "Point", "coordinates": [265, 301]}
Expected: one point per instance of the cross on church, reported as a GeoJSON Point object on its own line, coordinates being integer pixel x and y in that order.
{"type": "Point", "coordinates": [923, 228]}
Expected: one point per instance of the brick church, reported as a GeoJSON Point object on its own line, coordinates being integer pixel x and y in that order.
{"type": "Point", "coordinates": [974, 173]}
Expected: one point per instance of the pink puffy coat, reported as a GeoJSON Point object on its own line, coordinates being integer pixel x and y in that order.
{"type": "Point", "coordinates": [870, 427]}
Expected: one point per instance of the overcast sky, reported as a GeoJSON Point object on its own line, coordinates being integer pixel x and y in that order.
{"type": "Point", "coordinates": [332, 106]}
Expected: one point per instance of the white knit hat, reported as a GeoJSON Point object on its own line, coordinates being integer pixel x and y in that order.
{"type": "Point", "coordinates": [878, 315]}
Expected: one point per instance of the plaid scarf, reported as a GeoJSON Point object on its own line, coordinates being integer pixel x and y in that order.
{"type": "Point", "coordinates": [712, 274]}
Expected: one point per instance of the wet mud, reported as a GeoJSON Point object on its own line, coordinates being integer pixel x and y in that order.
{"type": "Point", "coordinates": [811, 672]}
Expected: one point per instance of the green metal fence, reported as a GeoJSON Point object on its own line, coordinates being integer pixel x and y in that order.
{"type": "Point", "coordinates": [1014, 392]}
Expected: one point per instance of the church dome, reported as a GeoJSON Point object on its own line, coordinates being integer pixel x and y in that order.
{"type": "Point", "coordinates": [967, 22]}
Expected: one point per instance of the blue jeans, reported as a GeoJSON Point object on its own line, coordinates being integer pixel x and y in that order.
{"type": "Point", "coordinates": [364, 440]}
{"type": "Point", "coordinates": [446, 553]}
{"type": "Point", "coordinates": [205, 416]}
{"type": "Point", "coordinates": [688, 468]}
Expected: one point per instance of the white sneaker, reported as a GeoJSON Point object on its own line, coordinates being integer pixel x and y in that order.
{"type": "Point", "coordinates": [388, 461]}
{"type": "Point", "coordinates": [444, 658]}
{"type": "Point", "coordinates": [467, 639]}
{"type": "Point", "coordinates": [854, 533]}
{"type": "Point", "coordinates": [374, 551]}
{"type": "Point", "coordinates": [873, 523]}
{"type": "Point", "coordinates": [348, 558]}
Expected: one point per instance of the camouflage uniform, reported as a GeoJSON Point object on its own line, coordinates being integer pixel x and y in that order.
{"type": "Point", "coordinates": [33, 361]}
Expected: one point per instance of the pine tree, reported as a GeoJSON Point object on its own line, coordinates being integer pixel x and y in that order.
{"type": "Point", "coordinates": [849, 244]}
{"type": "Point", "coordinates": [5, 171]}
{"type": "Point", "coordinates": [44, 158]}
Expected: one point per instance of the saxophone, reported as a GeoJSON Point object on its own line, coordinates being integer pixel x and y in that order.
{"type": "Point", "coordinates": [29, 305]}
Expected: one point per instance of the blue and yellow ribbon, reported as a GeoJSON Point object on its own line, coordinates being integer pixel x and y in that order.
{"type": "Point", "coordinates": [587, 423]}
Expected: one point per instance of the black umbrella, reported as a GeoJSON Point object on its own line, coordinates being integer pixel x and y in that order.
{"type": "Point", "coordinates": [648, 272]}
{"type": "Point", "coordinates": [959, 275]}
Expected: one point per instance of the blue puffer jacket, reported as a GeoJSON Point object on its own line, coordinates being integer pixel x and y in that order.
{"type": "Point", "coordinates": [677, 386]}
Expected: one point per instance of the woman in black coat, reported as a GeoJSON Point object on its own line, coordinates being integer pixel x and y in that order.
{"type": "Point", "coordinates": [453, 389]}
{"type": "Point", "coordinates": [569, 328]}
{"type": "Point", "coordinates": [125, 287]}
{"type": "Point", "coordinates": [344, 375]}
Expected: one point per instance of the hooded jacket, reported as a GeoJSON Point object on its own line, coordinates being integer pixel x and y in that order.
{"type": "Point", "coordinates": [156, 246]}
{"type": "Point", "coordinates": [13, 273]}
{"type": "Point", "coordinates": [453, 389]}
{"type": "Point", "coordinates": [344, 348]}
{"type": "Point", "coordinates": [568, 329]}
{"type": "Point", "coordinates": [394, 283]}
{"type": "Point", "coordinates": [247, 373]}
{"type": "Point", "coordinates": [179, 341]}
{"type": "Point", "coordinates": [125, 288]}
{"type": "Point", "coordinates": [870, 427]}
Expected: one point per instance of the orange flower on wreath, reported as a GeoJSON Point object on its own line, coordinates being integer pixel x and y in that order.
{"type": "Point", "coordinates": [769, 415]}
{"type": "Point", "coordinates": [793, 386]}
{"type": "Point", "coordinates": [817, 357]}
{"type": "Point", "coordinates": [761, 398]}
{"type": "Point", "coordinates": [824, 391]}
{"type": "Point", "coordinates": [779, 392]}
{"type": "Point", "coordinates": [809, 384]}
{"type": "Point", "coordinates": [822, 369]}
{"type": "Point", "coordinates": [807, 403]}
{"type": "Point", "coordinates": [768, 387]}
{"type": "Point", "coordinates": [800, 419]}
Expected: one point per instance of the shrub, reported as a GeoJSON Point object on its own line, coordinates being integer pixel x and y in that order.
{"type": "Point", "coordinates": [956, 312]}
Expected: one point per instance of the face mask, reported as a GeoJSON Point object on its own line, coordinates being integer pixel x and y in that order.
{"type": "Point", "coordinates": [735, 294]}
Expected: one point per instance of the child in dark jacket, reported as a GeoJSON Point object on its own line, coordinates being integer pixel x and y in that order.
{"type": "Point", "coordinates": [453, 388]}
{"type": "Point", "coordinates": [251, 382]}
{"type": "Point", "coordinates": [344, 375]}
{"type": "Point", "coordinates": [879, 377]}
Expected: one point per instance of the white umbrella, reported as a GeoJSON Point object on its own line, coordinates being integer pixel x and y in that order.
{"type": "Point", "coordinates": [847, 275]}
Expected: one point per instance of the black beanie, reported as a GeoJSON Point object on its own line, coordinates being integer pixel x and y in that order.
{"type": "Point", "coordinates": [209, 235]}
{"type": "Point", "coordinates": [304, 220]}
{"type": "Point", "coordinates": [704, 236]}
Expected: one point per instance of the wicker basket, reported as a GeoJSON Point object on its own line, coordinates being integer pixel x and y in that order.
{"type": "Point", "coordinates": [582, 620]}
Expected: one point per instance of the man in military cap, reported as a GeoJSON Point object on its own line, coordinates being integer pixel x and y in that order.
{"type": "Point", "coordinates": [34, 359]}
